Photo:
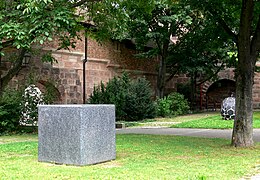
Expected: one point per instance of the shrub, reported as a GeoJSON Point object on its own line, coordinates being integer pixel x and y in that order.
{"type": "Point", "coordinates": [163, 107]}
{"type": "Point", "coordinates": [9, 118]}
{"type": "Point", "coordinates": [172, 105]}
{"type": "Point", "coordinates": [139, 104]}
{"type": "Point", "coordinates": [132, 98]}
{"type": "Point", "coordinates": [114, 92]}
{"type": "Point", "coordinates": [184, 89]}
{"type": "Point", "coordinates": [10, 110]}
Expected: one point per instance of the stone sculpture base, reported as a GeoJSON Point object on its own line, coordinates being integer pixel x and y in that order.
{"type": "Point", "coordinates": [76, 134]}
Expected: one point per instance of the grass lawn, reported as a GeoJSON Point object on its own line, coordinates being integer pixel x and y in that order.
{"type": "Point", "coordinates": [168, 121]}
{"type": "Point", "coordinates": [214, 121]}
{"type": "Point", "coordinates": [138, 157]}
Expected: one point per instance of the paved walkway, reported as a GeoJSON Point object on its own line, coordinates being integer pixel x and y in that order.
{"type": "Point", "coordinates": [209, 133]}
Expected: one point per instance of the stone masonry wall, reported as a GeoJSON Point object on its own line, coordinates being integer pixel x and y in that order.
{"type": "Point", "coordinates": [256, 91]}
{"type": "Point", "coordinates": [105, 61]}
{"type": "Point", "coordinates": [223, 92]}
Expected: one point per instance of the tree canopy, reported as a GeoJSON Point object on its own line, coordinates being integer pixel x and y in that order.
{"type": "Point", "coordinates": [241, 22]}
{"type": "Point", "coordinates": [222, 25]}
{"type": "Point", "coordinates": [171, 29]}
{"type": "Point", "coordinates": [25, 23]}
{"type": "Point", "coordinates": [206, 31]}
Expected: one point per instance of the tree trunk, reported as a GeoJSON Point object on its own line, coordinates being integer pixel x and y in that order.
{"type": "Point", "coordinates": [16, 67]}
{"type": "Point", "coordinates": [193, 83]}
{"type": "Point", "coordinates": [1, 89]}
{"type": "Point", "coordinates": [161, 78]}
{"type": "Point", "coordinates": [243, 125]}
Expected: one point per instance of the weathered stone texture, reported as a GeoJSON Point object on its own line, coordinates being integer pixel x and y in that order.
{"type": "Point", "coordinates": [76, 134]}
{"type": "Point", "coordinates": [104, 62]}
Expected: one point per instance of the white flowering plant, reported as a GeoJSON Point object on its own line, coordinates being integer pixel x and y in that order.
{"type": "Point", "coordinates": [32, 97]}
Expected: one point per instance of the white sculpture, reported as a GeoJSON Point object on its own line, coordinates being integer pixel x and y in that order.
{"type": "Point", "coordinates": [228, 108]}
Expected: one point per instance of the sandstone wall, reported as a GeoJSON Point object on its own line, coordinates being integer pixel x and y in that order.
{"type": "Point", "coordinates": [105, 61]}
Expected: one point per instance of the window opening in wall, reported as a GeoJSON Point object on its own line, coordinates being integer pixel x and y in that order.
{"type": "Point", "coordinates": [117, 46]}
{"type": "Point", "coordinates": [26, 59]}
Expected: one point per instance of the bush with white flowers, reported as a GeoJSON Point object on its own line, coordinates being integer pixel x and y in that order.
{"type": "Point", "coordinates": [32, 97]}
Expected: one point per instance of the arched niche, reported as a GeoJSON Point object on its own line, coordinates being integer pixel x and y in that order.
{"type": "Point", "coordinates": [48, 88]}
{"type": "Point", "coordinates": [218, 91]}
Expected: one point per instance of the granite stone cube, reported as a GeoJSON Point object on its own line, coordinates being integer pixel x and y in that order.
{"type": "Point", "coordinates": [76, 134]}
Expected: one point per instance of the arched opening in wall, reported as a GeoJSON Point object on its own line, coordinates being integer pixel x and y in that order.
{"type": "Point", "coordinates": [218, 91]}
{"type": "Point", "coordinates": [51, 93]}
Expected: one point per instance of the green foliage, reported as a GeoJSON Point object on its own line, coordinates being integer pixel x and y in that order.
{"type": "Point", "coordinates": [185, 89]}
{"type": "Point", "coordinates": [9, 115]}
{"type": "Point", "coordinates": [10, 110]}
{"type": "Point", "coordinates": [18, 108]}
{"type": "Point", "coordinates": [114, 92]}
{"type": "Point", "coordinates": [172, 30]}
{"type": "Point", "coordinates": [111, 20]}
{"type": "Point", "coordinates": [47, 57]}
{"type": "Point", "coordinates": [178, 103]}
{"type": "Point", "coordinates": [163, 107]}
{"type": "Point", "coordinates": [138, 100]}
{"type": "Point", "coordinates": [172, 105]}
{"type": "Point", "coordinates": [23, 23]}
{"type": "Point", "coordinates": [132, 98]}
{"type": "Point", "coordinates": [30, 24]}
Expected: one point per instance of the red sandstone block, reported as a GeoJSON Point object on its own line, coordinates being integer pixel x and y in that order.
{"type": "Point", "coordinates": [71, 82]}
{"type": "Point", "coordinates": [64, 81]}
{"type": "Point", "coordinates": [67, 75]}
{"type": "Point", "coordinates": [73, 59]}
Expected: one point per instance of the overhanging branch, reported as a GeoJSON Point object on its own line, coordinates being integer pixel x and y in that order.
{"type": "Point", "coordinates": [212, 75]}
{"type": "Point", "coordinates": [227, 29]}
{"type": "Point", "coordinates": [172, 75]}
{"type": "Point", "coordinates": [14, 70]}
{"type": "Point", "coordinates": [8, 43]}
{"type": "Point", "coordinates": [223, 25]}
{"type": "Point", "coordinates": [81, 2]}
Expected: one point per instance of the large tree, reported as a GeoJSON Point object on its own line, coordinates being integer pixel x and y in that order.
{"type": "Point", "coordinates": [150, 23]}
{"type": "Point", "coordinates": [200, 54]}
{"type": "Point", "coordinates": [248, 45]}
{"type": "Point", "coordinates": [171, 30]}
{"type": "Point", "coordinates": [24, 23]}
{"type": "Point", "coordinates": [159, 20]}
{"type": "Point", "coordinates": [241, 21]}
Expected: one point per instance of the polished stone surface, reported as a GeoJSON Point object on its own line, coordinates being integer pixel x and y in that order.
{"type": "Point", "coordinates": [76, 134]}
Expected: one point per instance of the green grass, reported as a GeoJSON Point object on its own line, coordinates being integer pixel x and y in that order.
{"type": "Point", "coordinates": [214, 122]}
{"type": "Point", "coordinates": [138, 157]}
{"type": "Point", "coordinates": [206, 120]}
{"type": "Point", "coordinates": [188, 117]}
{"type": "Point", "coordinates": [168, 121]}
